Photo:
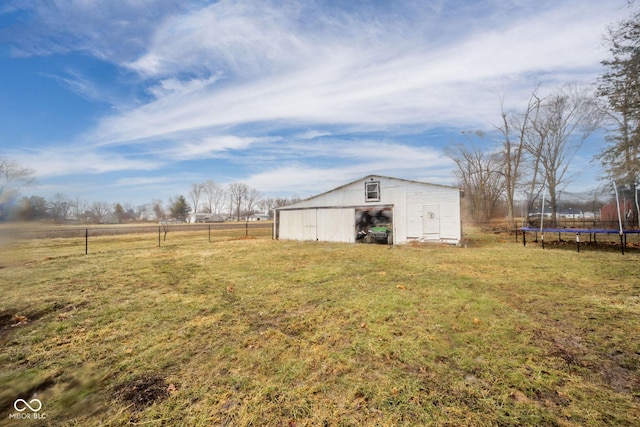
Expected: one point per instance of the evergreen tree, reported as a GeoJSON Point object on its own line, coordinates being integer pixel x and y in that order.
{"type": "Point", "coordinates": [119, 213]}
{"type": "Point", "coordinates": [31, 208]}
{"type": "Point", "coordinates": [180, 208]}
{"type": "Point", "coordinates": [620, 87]}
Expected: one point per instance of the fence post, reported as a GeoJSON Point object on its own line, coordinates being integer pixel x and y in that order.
{"type": "Point", "coordinates": [158, 236]}
{"type": "Point", "coordinates": [209, 233]}
{"type": "Point", "coordinates": [86, 241]}
{"type": "Point", "coordinates": [246, 229]}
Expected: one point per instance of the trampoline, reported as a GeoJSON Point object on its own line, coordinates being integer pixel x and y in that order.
{"type": "Point", "coordinates": [577, 231]}
{"type": "Point", "coordinates": [591, 231]}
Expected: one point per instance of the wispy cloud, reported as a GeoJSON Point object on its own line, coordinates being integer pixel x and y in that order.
{"type": "Point", "coordinates": [102, 29]}
{"type": "Point", "coordinates": [336, 75]}
{"type": "Point", "coordinates": [212, 146]}
{"type": "Point", "coordinates": [305, 92]}
{"type": "Point", "coordinates": [312, 134]}
{"type": "Point", "coordinates": [85, 86]}
{"type": "Point", "coordinates": [139, 181]}
{"type": "Point", "coordinates": [174, 85]}
{"type": "Point", "coordinates": [70, 160]}
{"type": "Point", "coordinates": [301, 179]}
{"type": "Point", "coordinates": [326, 164]}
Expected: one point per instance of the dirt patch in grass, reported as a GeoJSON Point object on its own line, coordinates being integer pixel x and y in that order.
{"type": "Point", "coordinates": [616, 370]}
{"type": "Point", "coordinates": [6, 322]}
{"type": "Point", "coordinates": [13, 318]}
{"type": "Point", "coordinates": [143, 391]}
{"type": "Point", "coordinates": [244, 238]}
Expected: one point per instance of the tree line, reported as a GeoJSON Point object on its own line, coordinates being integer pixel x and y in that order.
{"type": "Point", "coordinates": [236, 201]}
{"type": "Point", "coordinates": [538, 142]}
{"type": "Point", "coordinates": [534, 152]}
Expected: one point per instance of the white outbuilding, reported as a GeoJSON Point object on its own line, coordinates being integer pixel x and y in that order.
{"type": "Point", "coordinates": [375, 209]}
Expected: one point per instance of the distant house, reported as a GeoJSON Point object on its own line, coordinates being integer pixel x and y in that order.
{"type": "Point", "coordinates": [259, 217]}
{"type": "Point", "coordinates": [375, 209]}
{"type": "Point", "coordinates": [204, 217]}
{"type": "Point", "coordinates": [563, 213]}
{"type": "Point", "coordinates": [570, 213]}
{"type": "Point", "coordinates": [537, 214]}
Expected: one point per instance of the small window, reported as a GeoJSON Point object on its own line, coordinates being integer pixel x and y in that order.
{"type": "Point", "coordinates": [372, 191]}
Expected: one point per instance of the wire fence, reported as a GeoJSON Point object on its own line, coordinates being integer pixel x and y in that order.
{"type": "Point", "coordinates": [98, 238]}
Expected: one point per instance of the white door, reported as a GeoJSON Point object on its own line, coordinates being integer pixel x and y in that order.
{"type": "Point", "coordinates": [310, 223]}
{"type": "Point", "coordinates": [431, 222]}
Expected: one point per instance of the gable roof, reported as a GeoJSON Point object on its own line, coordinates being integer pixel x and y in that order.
{"type": "Point", "coordinates": [364, 179]}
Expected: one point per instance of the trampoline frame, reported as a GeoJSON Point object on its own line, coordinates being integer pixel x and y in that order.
{"type": "Point", "coordinates": [577, 231]}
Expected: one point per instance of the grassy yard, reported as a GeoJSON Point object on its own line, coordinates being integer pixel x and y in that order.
{"type": "Point", "coordinates": [258, 332]}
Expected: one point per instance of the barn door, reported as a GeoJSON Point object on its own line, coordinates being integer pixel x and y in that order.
{"type": "Point", "coordinates": [310, 223]}
{"type": "Point", "coordinates": [431, 222]}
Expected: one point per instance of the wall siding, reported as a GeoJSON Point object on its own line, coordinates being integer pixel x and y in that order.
{"type": "Point", "coordinates": [324, 224]}
{"type": "Point", "coordinates": [331, 216]}
{"type": "Point", "coordinates": [336, 225]}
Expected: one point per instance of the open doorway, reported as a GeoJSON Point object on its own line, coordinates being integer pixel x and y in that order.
{"type": "Point", "coordinates": [374, 225]}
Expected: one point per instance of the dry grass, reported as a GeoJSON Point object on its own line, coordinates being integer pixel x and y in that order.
{"type": "Point", "coordinates": [261, 332]}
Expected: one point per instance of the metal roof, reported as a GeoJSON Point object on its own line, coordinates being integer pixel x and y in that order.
{"type": "Point", "coordinates": [372, 176]}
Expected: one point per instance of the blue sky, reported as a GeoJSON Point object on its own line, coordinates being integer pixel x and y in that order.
{"type": "Point", "coordinates": [132, 100]}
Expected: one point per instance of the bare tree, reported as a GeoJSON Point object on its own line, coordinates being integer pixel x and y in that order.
{"type": "Point", "coordinates": [215, 197]}
{"type": "Point", "coordinates": [284, 201]}
{"type": "Point", "coordinates": [79, 208]}
{"type": "Point", "coordinates": [479, 174]}
{"type": "Point", "coordinates": [251, 201]}
{"type": "Point", "coordinates": [13, 178]}
{"type": "Point", "coordinates": [194, 196]}
{"type": "Point", "coordinates": [60, 207]}
{"type": "Point", "coordinates": [534, 149]}
{"type": "Point", "coordinates": [158, 210]}
{"type": "Point", "coordinates": [514, 130]}
{"type": "Point", "coordinates": [99, 210]}
{"type": "Point", "coordinates": [140, 212]}
{"type": "Point", "coordinates": [562, 123]}
{"type": "Point", "coordinates": [237, 193]}
{"type": "Point", "coordinates": [269, 204]}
